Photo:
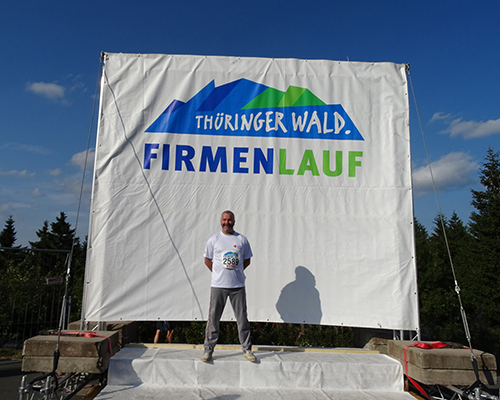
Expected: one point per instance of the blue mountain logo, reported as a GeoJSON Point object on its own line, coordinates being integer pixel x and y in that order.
{"type": "Point", "coordinates": [246, 108]}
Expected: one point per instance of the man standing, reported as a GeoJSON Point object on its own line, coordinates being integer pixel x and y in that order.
{"type": "Point", "coordinates": [227, 254]}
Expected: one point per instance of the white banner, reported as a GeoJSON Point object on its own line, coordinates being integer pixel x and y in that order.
{"type": "Point", "coordinates": [313, 157]}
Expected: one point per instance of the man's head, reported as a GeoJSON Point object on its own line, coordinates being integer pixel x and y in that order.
{"type": "Point", "coordinates": [227, 222]}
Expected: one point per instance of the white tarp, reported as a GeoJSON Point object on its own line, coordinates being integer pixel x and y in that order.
{"type": "Point", "coordinates": [158, 373]}
{"type": "Point", "coordinates": [313, 157]}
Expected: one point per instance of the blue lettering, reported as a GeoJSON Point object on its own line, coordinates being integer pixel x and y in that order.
{"type": "Point", "coordinates": [148, 154]}
{"type": "Point", "coordinates": [259, 159]}
{"type": "Point", "coordinates": [213, 162]}
{"type": "Point", "coordinates": [165, 159]}
{"type": "Point", "coordinates": [238, 159]}
{"type": "Point", "coordinates": [184, 154]}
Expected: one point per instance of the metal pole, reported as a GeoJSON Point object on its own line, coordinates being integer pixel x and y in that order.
{"type": "Point", "coordinates": [69, 312]}
{"type": "Point", "coordinates": [23, 389]}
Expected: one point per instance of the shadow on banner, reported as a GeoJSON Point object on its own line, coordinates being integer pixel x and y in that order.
{"type": "Point", "coordinates": [299, 300]}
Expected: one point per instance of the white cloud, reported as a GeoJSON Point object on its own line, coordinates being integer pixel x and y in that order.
{"type": "Point", "coordinates": [79, 159]}
{"type": "Point", "coordinates": [9, 207]}
{"type": "Point", "coordinates": [473, 129]}
{"type": "Point", "coordinates": [50, 91]}
{"type": "Point", "coordinates": [450, 171]}
{"type": "Point", "coordinates": [439, 116]}
{"type": "Point", "coordinates": [19, 174]}
{"type": "Point", "coordinates": [64, 199]}
{"type": "Point", "coordinates": [37, 192]}
{"type": "Point", "coordinates": [26, 147]}
{"type": "Point", "coordinates": [58, 92]}
{"type": "Point", "coordinates": [55, 172]}
{"type": "Point", "coordinates": [69, 188]}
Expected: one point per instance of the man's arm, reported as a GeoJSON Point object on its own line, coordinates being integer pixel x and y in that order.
{"type": "Point", "coordinates": [208, 263]}
{"type": "Point", "coordinates": [246, 263]}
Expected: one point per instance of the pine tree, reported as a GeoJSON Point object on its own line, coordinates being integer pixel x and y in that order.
{"type": "Point", "coordinates": [43, 235]}
{"type": "Point", "coordinates": [485, 221]}
{"type": "Point", "coordinates": [457, 263]}
{"type": "Point", "coordinates": [77, 277]}
{"type": "Point", "coordinates": [60, 236]}
{"type": "Point", "coordinates": [439, 304]}
{"type": "Point", "coordinates": [8, 235]}
{"type": "Point", "coordinates": [424, 277]}
{"type": "Point", "coordinates": [485, 260]}
{"type": "Point", "coordinates": [8, 239]}
{"type": "Point", "coordinates": [435, 287]}
{"type": "Point", "coordinates": [424, 257]}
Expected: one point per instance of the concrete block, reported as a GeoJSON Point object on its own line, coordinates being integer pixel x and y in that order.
{"type": "Point", "coordinates": [444, 366]}
{"type": "Point", "coordinates": [362, 336]}
{"type": "Point", "coordinates": [377, 344]}
{"type": "Point", "coordinates": [66, 365]}
{"type": "Point", "coordinates": [72, 346]}
{"type": "Point", "coordinates": [127, 330]}
{"type": "Point", "coordinates": [77, 353]}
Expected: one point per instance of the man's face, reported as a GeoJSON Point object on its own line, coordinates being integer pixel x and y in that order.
{"type": "Point", "coordinates": [227, 223]}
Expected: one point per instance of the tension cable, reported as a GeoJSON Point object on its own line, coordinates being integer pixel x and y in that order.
{"type": "Point", "coordinates": [441, 219]}
{"type": "Point", "coordinates": [69, 257]}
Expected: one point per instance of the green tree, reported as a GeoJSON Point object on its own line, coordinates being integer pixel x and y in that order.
{"type": "Point", "coordinates": [8, 235]}
{"type": "Point", "coordinates": [423, 252]}
{"type": "Point", "coordinates": [455, 255]}
{"type": "Point", "coordinates": [424, 276]}
{"type": "Point", "coordinates": [435, 287]}
{"type": "Point", "coordinates": [485, 256]}
{"type": "Point", "coordinates": [77, 278]}
{"type": "Point", "coordinates": [448, 246]}
{"type": "Point", "coordinates": [60, 236]}
{"type": "Point", "coordinates": [8, 239]}
{"type": "Point", "coordinates": [485, 221]}
{"type": "Point", "coordinates": [27, 303]}
{"type": "Point", "coordinates": [43, 235]}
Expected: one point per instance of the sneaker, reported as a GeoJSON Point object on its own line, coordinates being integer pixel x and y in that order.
{"type": "Point", "coordinates": [206, 357]}
{"type": "Point", "coordinates": [250, 356]}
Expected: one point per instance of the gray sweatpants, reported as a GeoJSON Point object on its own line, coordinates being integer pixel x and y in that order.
{"type": "Point", "coordinates": [218, 299]}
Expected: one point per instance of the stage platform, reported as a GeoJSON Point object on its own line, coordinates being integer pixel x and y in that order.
{"type": "Point", "coordinates": [175, 371]}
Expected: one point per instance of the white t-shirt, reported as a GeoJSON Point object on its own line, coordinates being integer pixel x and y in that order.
{"type": "Point", "coordinates": [227, 253]}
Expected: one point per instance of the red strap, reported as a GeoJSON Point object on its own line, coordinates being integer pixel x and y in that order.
{"type": "Point", "coordinates": [433, 345]}
{"type": "Point", "coordinates": [419, 388]}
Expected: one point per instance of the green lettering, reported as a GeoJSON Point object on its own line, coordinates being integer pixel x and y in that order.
{"type": "Point", "coordinates": [353, 163]}
{"type": "Point", "coordinates": [326, 163]}
{"type": "Point", "coordinates": [308, 163]}
{"type": "Point", "coordinates": [283, 169]}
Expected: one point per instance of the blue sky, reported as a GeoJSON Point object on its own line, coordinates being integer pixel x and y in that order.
{"type": "Point", "coordinates": [50, 66]}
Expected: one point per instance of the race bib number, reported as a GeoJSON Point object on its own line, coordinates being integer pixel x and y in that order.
{"type": "Point", "coordinates": [230, 260]}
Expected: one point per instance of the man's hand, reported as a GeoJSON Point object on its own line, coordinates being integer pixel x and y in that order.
{"type": "Point", "coordinates": [208, 263]}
